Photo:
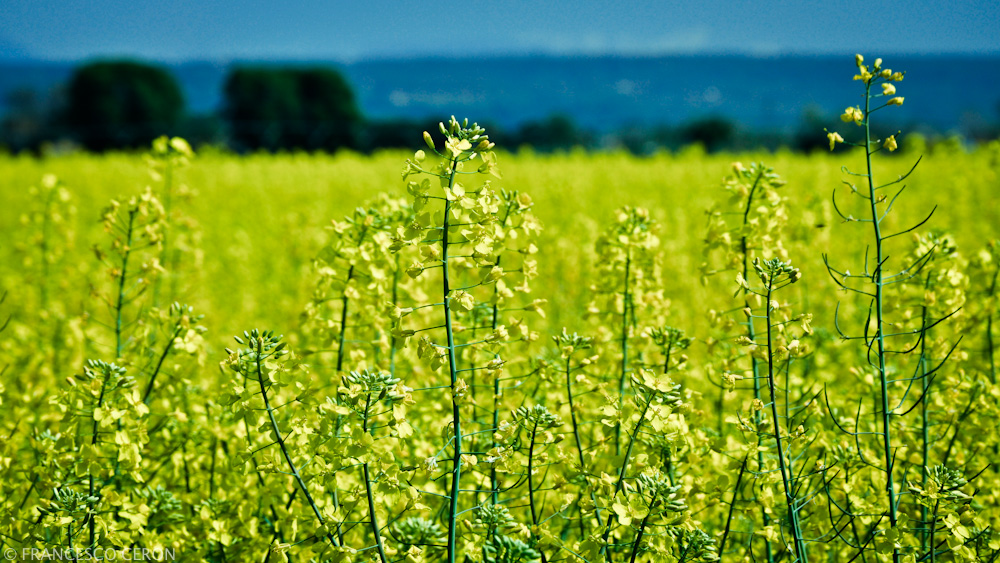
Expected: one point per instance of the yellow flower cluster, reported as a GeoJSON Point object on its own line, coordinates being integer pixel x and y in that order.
{"type": "Point", "coordinates": [860, 117]}
{"type": "Point", "coordinates": [853, 115]}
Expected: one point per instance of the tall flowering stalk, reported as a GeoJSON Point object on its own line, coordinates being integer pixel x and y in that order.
{"type": "Point", "coordinates": [773, 276]}
{"type": "Point", "coordinates": [626, 291]}
{"type": "Point", "coordinates": [751, 226]}
{"type": "Point", "coordinates": [167, 155]}
{"type": "Point", "coordinates": [463, 239]}
{"type": "Point", "coordinates": [891, 388]}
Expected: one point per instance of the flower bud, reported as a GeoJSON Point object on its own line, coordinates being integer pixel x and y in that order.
{"type": "Point", "coordinates": [834, 139]}
{"type": "Point", "coordinates": [897, 101]}
{"type": "Point", "coordinates": [858, 59]}
{"type": "Point", "coordinates": [428, 140]}
{"type": "Point", "coordinates": [888, 89]}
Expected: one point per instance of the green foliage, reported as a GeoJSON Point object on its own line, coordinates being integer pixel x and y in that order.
{"type": "Point", "coordinates": [272, 109]}
{"type": "Point", "coordinates": [115, 104]}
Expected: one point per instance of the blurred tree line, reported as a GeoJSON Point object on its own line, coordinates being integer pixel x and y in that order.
{"type": "Point", "coordinates": [125, 104]}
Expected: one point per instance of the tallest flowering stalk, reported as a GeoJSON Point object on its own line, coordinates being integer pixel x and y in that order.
{"type": "Point", "coordinates": [463, 238]}
{"type": "Point", "coordinates": [879, 93]}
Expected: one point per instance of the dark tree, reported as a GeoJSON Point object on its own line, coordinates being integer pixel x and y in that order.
{"type": "Point", "coordinates": [290, 108]}
{"type": "Point", "coordinates": [714, 133]}
{"type": "Point", "coordinates": [557, 132]}
{"type": "Point", "coordinates": [113, 104]}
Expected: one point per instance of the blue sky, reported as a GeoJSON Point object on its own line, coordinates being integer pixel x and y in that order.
{"type": "Point", "coordinates": [177, 30]}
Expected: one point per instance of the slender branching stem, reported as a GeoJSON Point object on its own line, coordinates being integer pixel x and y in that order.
{"type": "Point", "coordinates": [624, 345]}
{"type": "Point", "coordinates": [990, 348]}
{"type": "Point", "coordinates": [373, 520]}
{"type": "Point", "coordinates": [259, 359]}
{"type": "Point", "coordinates": [732, 508]}
{"type": "Point", "coordinates": [790, 501]}
{"type": "Point", "coordinates": [639, 534]}
{"type": "Point", "coordinates": [924, 421]}
{"type": "Point", "coordinates": [576, 434]}
{"type": "Point", "coordinates": [159, 364]}
{"type": "Point", "coordinates": [884, 412]}
{"type": "Point", "coordinates": [752, 335]}
{"type": "Point", "coordinates": [621, 476]}
{"type": "Point", "coordinates": [531, 482]}
{"type": "Point", "coordinates": [453, 373]}
{"type": "Point", "coordinates": [120, 301]}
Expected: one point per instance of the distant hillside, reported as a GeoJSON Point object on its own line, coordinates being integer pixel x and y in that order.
{"type": "Point", "coordinates": [606, 93]}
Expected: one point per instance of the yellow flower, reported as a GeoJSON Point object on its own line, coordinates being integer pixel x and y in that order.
{"type": "Point", "coordinates": [896, 76]}
{"type": "Point", "coordinates": [888, 89]}
{"type": "Point", "coordinates": [464, 299]}
{"type": "Point", "coordinates": [858, 59]}
{"type": "Point", "coordinates": [852, 114]}
{"type": "Point", "coordinates": [457, 146]}
{"type": "Point", "coordinates": [897, 101]}
{"type": "Point", "coordinates": [890, 143]}
{"type": "Point", "coordinates": [834, 139]}
{"type": "Point", "coordinates": [878, 64]}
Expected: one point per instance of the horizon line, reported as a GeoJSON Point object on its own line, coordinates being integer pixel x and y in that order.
{"type": "Point", "coordinates": [541, 54]}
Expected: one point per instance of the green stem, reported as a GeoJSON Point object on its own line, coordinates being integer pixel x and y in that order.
{"type": "Point", "coordinates": [624, 470]}
{"type": "Point", "coordinates": [344, 300]}
{"type": "Point", "coordinates": [281, 442]}
{"type": "Point", "coordinates": [924, 420]}
{"type": "Point", "coordinates": [890, 486]}
{"type": "Point", "coordinates": [933, 531]}
{"type": "Point", "coordinates": [754, 365]}
{"type": "Point", "coordinates": [372, 519]}
{"type": "Point", "coordinates": [793, 513]}
{"type": "Point", "coordinates": [990, 350]}
{"type": "Point", "coordinates": [624, 344]}
{"type": "Point", "coordinates": [638, 536]}
{"type": "Point", "coordinates": [69, 541]}
{"type": "Point", "coordinates": [576, 436]}
{"type": "Point", "coordinates": [494, 481]}
{"type": "Point", "coordinates": [343, 322]}
{"type": "Point", "coordinates": [395, 301]}
{"type": "Point", "coordinates": [531, 483]}
{"type": "Point", "coordinates": [120, 302]}
{"type": "Point", "coordinates": [90, 477]}
{"type": "Point", "coordinates": [119, 308]}
{"type": "Point", "coordinates": [453, 373]}
{"type": "Point", "coordinates": [159, 364]}
{"type": "Point", "coordinates": [732, 508]}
